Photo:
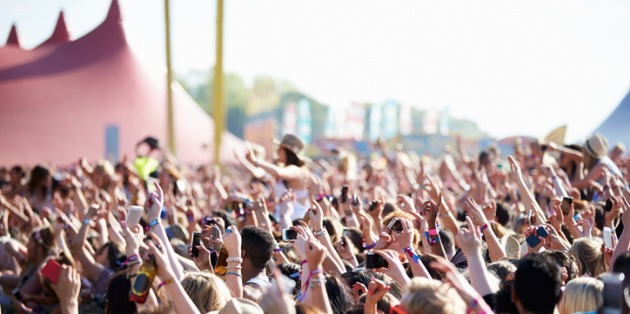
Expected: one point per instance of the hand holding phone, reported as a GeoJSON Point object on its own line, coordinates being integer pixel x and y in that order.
{"type": "Point", "coordinates": [51, 271]}
{"type": "Point", "coordinates": [134, 215]}
{"type": "Point", "coordinates": [373, 260]}
{"type": "Point", "coordinates": [196, 240]}
{"type": "Point", "coordinates": [395, 225]}
{"type": "Point", "coordinates": [289, 235]}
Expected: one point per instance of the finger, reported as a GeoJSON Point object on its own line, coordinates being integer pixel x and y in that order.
{"type": "Point", "coordinates": [160, 192]}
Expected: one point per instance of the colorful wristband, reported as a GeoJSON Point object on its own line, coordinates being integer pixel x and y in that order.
{"type": "Point", "coordinates": [484, 227]}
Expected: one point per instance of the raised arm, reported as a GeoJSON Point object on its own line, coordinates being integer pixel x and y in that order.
{"type": "Point", "coordinates": [527, 197]}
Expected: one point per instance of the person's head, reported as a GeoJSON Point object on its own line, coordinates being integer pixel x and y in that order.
{"type": "Point", "coordinates": [257, 246]}
{"type": "Point", "coordinates": [16, 174]}
{"type": "Point", "coordinates": [589, 257]}
{"type": "Point", "coordinates": [446, 237]}
{"type": "Point", "coordinates": [581, 295]}
{"type": "Point", "coordinates": [339, 294]}
{"type": "Point", "coordinates": [622, 265]}
{"type": "Point", "coordinates": [117, 295]}
{"type": "Point", "coordinates": [503, 214]}
{"type": "Point", "coordinates": [40, 244]}
{"type": "Point", "coordinates": [566, 260]}
{"type": "Point", "coordinates": [40, 179]}
{"type": "Point", "coordinates": [102, 174]}
{"type": "Point", "coordinates": [292, 271]}
{"type": "Point", "coordinates": [430, 296]}
{"type": "Point", "coordinates": [502, 269]}
{"type": "Point", "coordinates": [207, 291]}
{"type": "Point", "coordinates": [289, 149]}
{"type": "Point", "coordinates": [384, 305]}
{"type": "Point", "coordinates": [595, 148]}
{"type": "Point", "coordinates": [537, 284]}
{"type": "Point", "coordinates": [107, 255]}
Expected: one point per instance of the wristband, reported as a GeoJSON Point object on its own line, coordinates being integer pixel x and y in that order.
{"type": "Point", "coordinates": [86, 221]}
{"type": "Point", "coordinates": [234, 273]}
{"type": "Point", "coordinates": [369, 247]}
{"type": "Point", "coordinates": [304, 262]}
{"type": "Point", "coordinates": [153, 223]}
{"type": "Point", "coordinates": [278, 250]}
{"type": "Point", "coordinates": [320, 233]}
{"type": "Point", "coordinates": [234, 267]}
{"type": "Point", "coordinates": [431, 241]}
{"type": "Point", "coordinates": [165, 282]}
{"type": "Point", "coordinates": [234, 260]}
{"type": "Point", "coordinates": [484, 227]}
{"type": "Point", "coordinates": [412, 254]}
{"type": "Point", "coordinates": [433, 232]}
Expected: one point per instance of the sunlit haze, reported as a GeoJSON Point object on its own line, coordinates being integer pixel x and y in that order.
{"type": "Point", "coordinates": [513, 67]}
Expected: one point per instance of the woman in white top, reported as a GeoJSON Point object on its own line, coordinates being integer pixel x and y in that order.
{"type": "Point", "coordinates": [289, 172]}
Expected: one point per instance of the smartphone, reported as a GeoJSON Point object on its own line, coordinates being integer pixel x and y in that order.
{"type": "Point", "coordinates": [216, 234]}
{"type": "Point", "coordinates": [395, 225]}
{"type": "Point", "coordinates": [355, 200]}
{"type": "Point", "coordinates": [134, 215]}
{"type": "Point", "coordinates": [196, 240]}
{"type": "Point", "coordinates": [532, 240]}
{"type": "Point", "coordinates": [612, 293]}
{"type": "Point", "coordinates": [566, 205]}
{"type": "Point", "coordinates": [529, 217]}
{"type": "Point", "coordinates": [373, 260]}
{"type": "Point", "coordinates": [344, 236]}
{"type": "Point", "coordinates": [542, 232]}
{"type": "Point", "coordinates": [344, 194]}
{"type": "Point", "coordinates": [51, 271]}
{"type": "Point", "coordinates": [151, 184]}
{"type": "Point", "coordinates": [289, 235]}
{"type": "Point", "coordinates": [373, 205]}
{"type": "Point", "coordinates": [608, 237]}
{"type": "Point", "coordinates": [608, 206]}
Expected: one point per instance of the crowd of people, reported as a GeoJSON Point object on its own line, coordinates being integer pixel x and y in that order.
{"type": "Point", "coordinates": [539, 231]}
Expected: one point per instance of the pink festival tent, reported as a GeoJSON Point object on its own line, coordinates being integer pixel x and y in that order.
{"type": "Point", "coordinates": [91, 97]}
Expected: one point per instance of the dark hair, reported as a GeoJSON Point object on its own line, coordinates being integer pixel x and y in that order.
{"type": "Point", "coordinates": [501, 268]}
{"type": "Point", "coordinates": [426, 260]}
{"type": "Point", "coordinates": [258, 243]}
{"type": "Point", "coordinates": [117, 295]}
{"type": "Point", "coordinates": [537, 283]}
{"type": "Point", "coordinates": [38, 174]}
{"type": "Point", "coordinates": [19, 170]}
{"type": "Point", "coordinates": [292, 271]}
{"type": "Point", "coordinates": [44, 238]}
{"type": "Point", "coordinates": [503, 214]}
{"type": "Point", "coordinates": [447, 240]}
{"type": "Point", "coordinates": [292, 158]}
{"type": "Point", "coordinates": [566, 260]}
{"type": "Point", "coordinates": [622, 265]}
{"type": "Point", "coordinates": [503, 299]}
{"type": "Point", "coordinates": [340, 296]}
{"type": "Point", "coordinates": [114, 256]}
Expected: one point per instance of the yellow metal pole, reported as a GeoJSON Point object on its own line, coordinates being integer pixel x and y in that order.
{"type": "Point", "coordinates": [170, 124]}
{"type": "Point", "coordinates": [219, 111]}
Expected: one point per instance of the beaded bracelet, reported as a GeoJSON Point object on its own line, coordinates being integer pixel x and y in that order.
{"type": "Point", "coordinates": [234, 260]}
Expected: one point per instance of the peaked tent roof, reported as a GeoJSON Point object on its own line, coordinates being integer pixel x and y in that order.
{"type": "Point", "coordinates": [60, 34]}
{"type": "Point", "coordinates": [58, 100]}
{"type": "Point", "coordinates": [13, 37]}
{"type": "Point", "coordinates": [616, 128]}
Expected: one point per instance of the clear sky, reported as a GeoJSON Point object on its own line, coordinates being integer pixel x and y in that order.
{"type": "Point", "coordinates": [515, 67]}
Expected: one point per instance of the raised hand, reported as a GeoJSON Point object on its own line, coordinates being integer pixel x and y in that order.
{"type": "Point", "coordinates": [232, 241]}
{"type": "Point", "coordinates": [469, 240]}
{"type": "Point", "coordinates": [376, 291]}
{"type": "Point", "coordinates": [475, 212]}
{"type": "Point", "coordinates": [315, 254]}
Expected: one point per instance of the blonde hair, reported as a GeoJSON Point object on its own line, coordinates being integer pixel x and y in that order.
{"type": "Point", "coordinates": [207, 291]}
{"type": "Point", "coordinates": [582, 294]}
{"type": "Point", "coordinates": [431, 296]}
{"type": "Point", "coordinates": [589, 257]}
{"type": "Point", "coordinates": [348, 165]}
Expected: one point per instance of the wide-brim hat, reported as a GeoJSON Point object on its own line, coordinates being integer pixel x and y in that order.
{"type": "Point", "coordinates": [596, 146]}
{"type": "Point", "coordinates": [512, 246]}
{"type": "Point", "coordinates": [292, 143]}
